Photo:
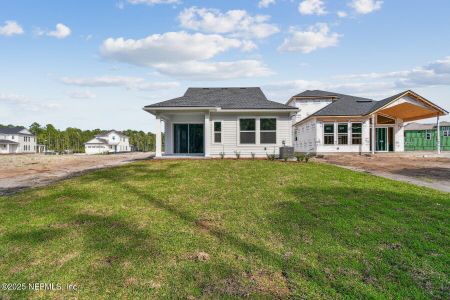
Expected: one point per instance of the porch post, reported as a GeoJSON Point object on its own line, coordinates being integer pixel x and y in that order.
{"type": "Point", "coordinates": [438, 135]}
{"type": "Point", "coordinates": [207, 134]}
{"type": "Point", "coordinates": [373, 134]}
{"type": "Point", "coordinates": [158, 136]}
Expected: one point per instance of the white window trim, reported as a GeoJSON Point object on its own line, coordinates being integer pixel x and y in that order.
{"type": "Point", "coordinates": [329, 134]}
{"type": "Point", "coordinates": [214, 133]}
{"type": "Point", "coordinates": [257, 130]}
{"type": "Point", "coordinates": [276, 128]}
{"type": "Point", "coordinates": [427, 132]}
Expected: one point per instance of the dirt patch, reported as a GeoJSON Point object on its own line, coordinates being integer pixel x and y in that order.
{"type": "Point", "coordinates": [25, 171]}
{"type": "Point", "coordinates": [432, 172]}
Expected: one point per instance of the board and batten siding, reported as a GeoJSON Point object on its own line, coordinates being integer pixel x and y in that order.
{"type": "Point", "coordinates": [230, 135]}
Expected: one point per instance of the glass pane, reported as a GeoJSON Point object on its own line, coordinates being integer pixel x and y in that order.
{"type": "Point", "coordinates": [217, 137]}
{"type": "Point", "coordinates": [268, 137]}
{"type": "Point", "coordinates": [356, 127]}
{"type": "Point", "coordinates": [248, 137]}
{"type": "Point", "coordinates": [268, 124]}
{"type": "Point", "coordinates": [217, 126]}
{"type": "Point", "coordinates": [195, 138]}
{"type": "Point", "coordinates": [343, 139]}
{"type": "Point", "coordinates": [180, 133]}
{"type": "Point", "coordinates": [356, 140]}
{"type": "Point", "coordinates": [328, 140]}
{"type": "Point", "coordinates": [247, 124]}
{"type": "Point", "coordinates": [342, 128]}
{"type": "Point", "coordinates": [329, 128]}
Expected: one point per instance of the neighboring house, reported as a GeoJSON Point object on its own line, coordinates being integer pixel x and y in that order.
{"type": "Point", "coordinates": [211, 121]}
{"type": "Point", "coordinates": [330, 122]}
{"type": "Point", "coordinates": [108, 142]}
{"type": "Point", "coordinates": [17, 140]}
{"type": "Point", "coordinates": [423, 136]}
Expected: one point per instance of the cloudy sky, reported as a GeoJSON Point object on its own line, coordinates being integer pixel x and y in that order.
{"type": "Point", "coordinates": [95, 64]}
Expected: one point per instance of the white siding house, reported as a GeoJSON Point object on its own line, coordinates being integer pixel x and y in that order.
{"type": "Point", "coordinates": [17, 140]}
{"type": "Point", "coordinates": [335, 123]}
{"type": "Point", "coordinates": [108, 142]}
{"type": "Point", "coordinates": [214, 121]}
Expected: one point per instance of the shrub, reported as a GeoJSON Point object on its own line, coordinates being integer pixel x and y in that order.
{"type": "Point", "coordinates": [253, 155]}
{"type": "Point", "coordinates": [299, 156]}
{"type": "Point", "coordinates": [238, 154]}
{"type": "Point", "coordinates": [222, 155]}
{"type": "Point", "coordinates": [271, 156]}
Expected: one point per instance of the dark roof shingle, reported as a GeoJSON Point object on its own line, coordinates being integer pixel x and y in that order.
{"type": "Point", "coordinates": [12, 130]}
{"type": "Point", "coordinates": [226, 98]}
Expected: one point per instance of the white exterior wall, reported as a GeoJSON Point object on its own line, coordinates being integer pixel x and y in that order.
{"type": "Point", "coordinates": [27, 143]}
{"type": "Point", "coordinates": [230, 135]}
{"type": "Point", "coordinates": [96, 149]}
{"type": "Point", "coordinates": [308, 106]}
{"type": "Point", "coordinates": [115, 143]}
{"type": "Point", "coordinates": [399, 136]}
{"type": "Point", "coordinates": [178, 118]}
{"type": "Point", "coordinates": [306, 136]}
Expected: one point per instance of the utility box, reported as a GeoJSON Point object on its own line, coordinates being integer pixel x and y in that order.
{"type": "Point", "coordinates": [286, 152]}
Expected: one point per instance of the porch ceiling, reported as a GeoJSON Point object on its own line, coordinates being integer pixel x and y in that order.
{"type": "Point", "coordinates": [409, 112]}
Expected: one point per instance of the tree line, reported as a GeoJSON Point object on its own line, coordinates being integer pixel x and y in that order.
{"type": "Point", "coordinates": [73, 138]}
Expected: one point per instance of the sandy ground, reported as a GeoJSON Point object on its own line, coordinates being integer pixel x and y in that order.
{"type": "Point", "coordinates": [421, 168]}
{"type": "Point", "coordinates": [18, 172]}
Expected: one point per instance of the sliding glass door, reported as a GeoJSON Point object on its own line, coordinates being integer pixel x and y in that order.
{"type": "Point", "coordinates": [188, 138]}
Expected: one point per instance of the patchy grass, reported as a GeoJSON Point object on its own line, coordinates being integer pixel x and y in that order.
{"type": "Point", "coordinates": [227, 229]}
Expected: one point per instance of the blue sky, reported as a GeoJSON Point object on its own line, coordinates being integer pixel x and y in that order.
{"type": "Point", "coordinates": [95, 64]}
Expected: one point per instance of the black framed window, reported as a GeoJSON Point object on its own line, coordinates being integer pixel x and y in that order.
{"type": "Point", "coordinates": [356, 133]}
{"type": "Point", "coordinates": [247, 131]}
{"type": "Point", "coordinates": [343, 134]}
{"type": "Point", "coordinates": [328, 134]}
{"type": "Point", "coordinates": [218, 132]}
{"type": "Point", "coordinates": [268, 130]}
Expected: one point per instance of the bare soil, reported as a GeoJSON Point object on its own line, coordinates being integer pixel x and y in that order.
{"type": "Point", "coordinates": [420, 169]}
{"type": "Point", "coordinates": [18, 172]}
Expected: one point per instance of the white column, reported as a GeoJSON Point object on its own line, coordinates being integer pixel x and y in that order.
{"type": "Point", "coordinates": [373, 134]}
{"type": "Point", "coordinates": [207, 135]}
{"type": "Point", "coordinates": [158, 136]}
{"type": "Point", "coordinates": [438, 135]}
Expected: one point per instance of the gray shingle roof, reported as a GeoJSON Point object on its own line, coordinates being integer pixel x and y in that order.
{"type": "Point", "coordinates": [8, 142]}
{"type": "Point", "coordinates": [419, 126]}
{"type": "Point", "coordinates": [226, 98]}
{"type": "Point", "coordinates": [12, 130]}
{"type": "Point", "coordinates": [343, 105]}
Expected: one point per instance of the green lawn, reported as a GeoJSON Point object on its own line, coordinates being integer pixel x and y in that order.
{"type": "Point", "coordinates": [227, 229]}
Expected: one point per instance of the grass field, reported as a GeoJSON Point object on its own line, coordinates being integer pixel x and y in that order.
{"type": "Point", "coordinates": [227, 229]}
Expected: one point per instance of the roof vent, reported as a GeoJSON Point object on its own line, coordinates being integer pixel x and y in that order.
{"type": "Point", "coordinates": [364, 101]}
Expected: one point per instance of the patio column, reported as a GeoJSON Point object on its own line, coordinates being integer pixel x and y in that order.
{"type": "Point", "coordinates": [207, 135]}
{"type": "Point", "coordinates": [158, 136]}
{"type": "Point", "coordinates": [373, 134]}
{"type": "Point", "coordinates": [438, 135]}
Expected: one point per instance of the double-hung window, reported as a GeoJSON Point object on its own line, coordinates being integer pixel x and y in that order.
{"type": "Point", "coordinates": [343, 134]}
{"type": "Point", "coordinates": [268, 130]}
{"type": "Point", "coordinates": [446, 131]}
{"type": "Point", "coordinates": [217, 132]}
{"type": "Point", "coordinates": [356, 133]}
{"type": "Point", "coordinates": [428, 135]}
{"type": "Point", "coordinates": [247, 131]}
{"type": "Point", "coordinates": [328, 134]}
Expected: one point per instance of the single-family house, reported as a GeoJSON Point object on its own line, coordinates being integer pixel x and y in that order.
{"type": "Point", "coordinates": [17, 140]}
{"type": "Point", "coordinates": [423, 137]}
{"type": "Point", "coordinates": [215, 121]}
{"type": "Point", "coordinates": [329, 122]}
{"type": "Point", "coordinates": [111, 141]}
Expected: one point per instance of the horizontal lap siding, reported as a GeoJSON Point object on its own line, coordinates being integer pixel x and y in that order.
{"type": "Point", "coordinates": [230, 135]}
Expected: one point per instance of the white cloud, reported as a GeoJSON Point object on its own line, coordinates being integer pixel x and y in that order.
{"type": "Point", "coordinates": [153, 2]}
{"type": "Point", "coordinates": [312, 7]}
{"type": "Point", "coordinates": [365, 6]}
{"type": "Point", "coordinates": [25, 104]}
{"type": "Point", "coordinates": [316, 37]}
{"type": "Point", "coordinates": [181, 54]}
{"type": "Point", "coordinates": [265, 3]}
{"type": "Point", "coordinates": [11, 28]}
{"type": "Point", "coordinates": [11, 98]}
{"type": "Point", "coordinates": [119, 81]}
{"type": "Point", "coordinates": [215, 70]}
{"type": "Point", "coordinates": [342, 14]}
{"type": "Point", "coordinates": [237, 23]}
{"type": "Point", "coordinates": [86, 94]}
{"type": "Point", "coordinates": [170, 47]}
{"type": "Point", "coordinates": [61, 31]}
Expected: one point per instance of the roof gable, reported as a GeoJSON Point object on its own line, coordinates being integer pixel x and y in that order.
{"type": "Point", "coordinates": [15, 130]}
